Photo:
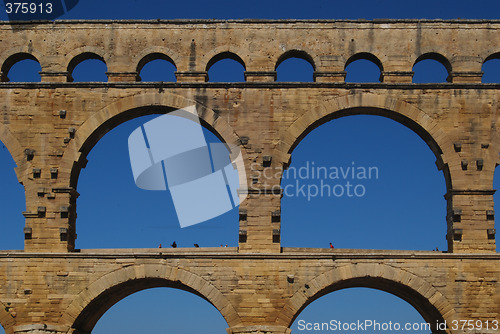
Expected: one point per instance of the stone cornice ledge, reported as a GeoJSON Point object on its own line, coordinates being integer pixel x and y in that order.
{"type": "Point", "coordinates": [336, 254]}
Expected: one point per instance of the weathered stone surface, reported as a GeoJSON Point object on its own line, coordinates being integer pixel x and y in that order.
{"type": "Point", "coordinates": [258, 287]}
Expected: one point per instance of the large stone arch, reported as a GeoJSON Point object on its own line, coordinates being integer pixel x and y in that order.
{"type": "Point", "coordinates": [492, 156]}
{"type": "Point", "coordinates": [370, 104]}
{"type": "Point", "coordinates": [428, 301]}
{"type": "Point", "coordinates": [91, 303]}
{"type": "Point", "coordinates": [97, 125]}
{"type": "Point", "coordinates": [14, 147]}
{"type": "Point", "coordinates": [7, 319]}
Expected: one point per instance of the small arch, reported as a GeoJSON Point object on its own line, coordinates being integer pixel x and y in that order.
{"type": "Point", "coordinates": [153, 50]}
{"type": "Point", "coordinates": [152, 57]}
{"type": "Point", "coordinates": [491, 69]}
{"type": "Point", "coordinates": [89, 306]}
{"type": "Point", "coordinates": [365, 61]}
{"type": "Point", "coordinates": [228, 60]}
{"type": "Point", "coordinates": [77, 60]}
{"type": "Point", "coordinates": [295, 66]}
{"type": "Point", "coordinates": [15, 59]}
{"type": "Point", "coordinates": [296, 54]}
{"type": "Point", "coordinates": [433, 56]}
{"type": "Point", "coordinates": [225, 55]}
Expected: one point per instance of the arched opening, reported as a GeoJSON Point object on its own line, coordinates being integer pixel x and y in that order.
{"type": "Point", "coordinates": [377, 312]}
{"type": "Point", "coordinates": [361, 180]}
{"type": "Point", "coordinates": [167, 310]}
{"type": "Point", "coordinates": [12, 203]}
{"type": "Point", "coordinates": [491, 69]}
{"type": "Point", "coordinates": [7, 318]}
{"type": "Point", "coordinates": [431, 68]}
{"type": "Point", "coordinates": [226, 67]}
{"type": "Point", "coordinates": [295, 66]}
{"type": "Point", "coordinates": [87, 67]}
{"type": "Point", "coordinates": [156, 67]}
{"type": "Point", "coordinates": [363, 67]}
{"type": "Point", "coordinates": [114, 213]}
{"type": "Point", "coordinates": [21, 67]}
{"type": "Point", "coordinates": [432, 306]}
{"type": "Point", "coordinates": [177, 305]}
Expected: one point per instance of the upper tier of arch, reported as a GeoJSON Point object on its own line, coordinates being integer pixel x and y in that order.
{"type": "Point", "coordinates": [396, 45]}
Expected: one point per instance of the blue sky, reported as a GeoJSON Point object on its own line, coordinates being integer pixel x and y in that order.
{"type": "Point", "coordinates": [383, 218]}
{"type": "Point", "coordinates": [293, 9]}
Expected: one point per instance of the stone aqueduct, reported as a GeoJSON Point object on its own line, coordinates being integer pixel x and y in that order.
{"type": "Point", "coordinates": [259, 287]}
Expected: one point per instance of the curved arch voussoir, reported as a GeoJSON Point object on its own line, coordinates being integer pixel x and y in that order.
{"type": "Point", "coordinates": [92, 125]}
{"type": "Point", "coordinates": [150, 271]}
{"type": "Point", "coordinates": [368, 272]}
{"type": "Point", "coordinates": [305, 123]}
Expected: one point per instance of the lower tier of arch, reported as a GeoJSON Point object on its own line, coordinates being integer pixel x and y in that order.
{"type": "Point", "coordinates": [255, 293]}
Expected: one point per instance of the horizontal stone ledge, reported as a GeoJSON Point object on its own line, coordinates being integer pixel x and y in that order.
{"type": "Point", "coordinates": [318, 74]}
{"type": "Point", "coordinates": [28, 214]}
{"type": "Point", "coordinates": [329, 76]}
{"type": "Point", "coordinates": [257, 191]}
{"type": "Point", "coordinates": [64, 190]}
{"type": "Point", "coordinates": [260, 76]}
{"type": "Point", "coordinates": [232, 253]}
{"type": "Point", "coordinates": [247, 85]}
{"type": "Point", "coordinates": [398, 73]}
{"type": "Point", "coordinates": [260, 73]}
{"type": "Point", "coordinates": [114, 74]}
{"type": "Point", "coordinates": [53, 74]}
{"type": "Point", "coordinates": [466, 74]}
{"type": "Point", "coordinates": [174, 22]}
{"type": "Point", "coordinates": [475, 192]}
{"type": "Point", "coordinates": [191, 74]}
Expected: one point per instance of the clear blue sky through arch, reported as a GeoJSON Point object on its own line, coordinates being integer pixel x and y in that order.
{"type": "Point", "coordinates": [342, 305]}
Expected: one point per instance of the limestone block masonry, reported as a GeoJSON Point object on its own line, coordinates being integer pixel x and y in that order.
{"type": "Point", "coordinates": [259, 287]}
